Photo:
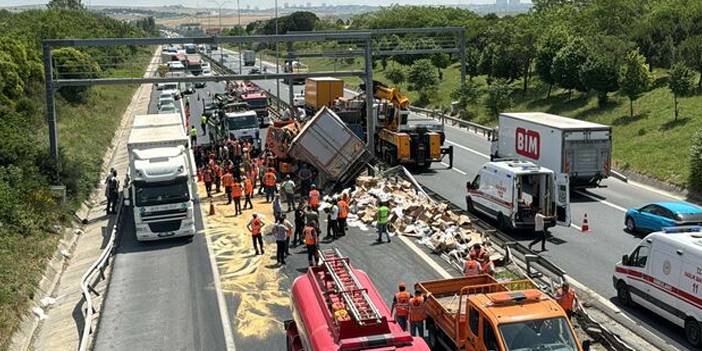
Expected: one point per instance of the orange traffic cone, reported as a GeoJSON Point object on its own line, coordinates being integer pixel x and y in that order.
{"type": "Point", "coordinates": [212, 210]}
{"type": "Point", "coordinates": [585, 227]}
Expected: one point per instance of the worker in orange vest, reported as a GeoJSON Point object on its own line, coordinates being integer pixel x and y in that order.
{"type": "Point", "coordinates": [269, 180]}
{"type": "Point", "coordinates": [236, 195]}
{"type": "Point", "coordinates": [314, 197]}
{"type": "Point", "coordinates": [471, 268]}
{"type": "Point", "coordinates": [208, 177]}
{"type": "Point", "coordinates": [217, 170]}
{"type": "Point", "coordinates": [417, 314]}
{"type": "Point", "coordinates": [565, 296]}
{"type": "Point", "coordinates": [248, 192]}
{"type": "Point", "coordinates": [311, 234]}
{"type": "Point", "coordinates": [227, 182]}
{"type": "Point", "coordinates": [401, 306]}
{"type": "Point", "coordinates": [255, 226]}
{"type": "Point", "coordinates": [343, 214]}
{"type": "Point", "coordinates": [479, 254]}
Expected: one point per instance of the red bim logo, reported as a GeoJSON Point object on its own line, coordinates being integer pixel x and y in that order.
{"type": "Point", "coordinates": [528, 143]}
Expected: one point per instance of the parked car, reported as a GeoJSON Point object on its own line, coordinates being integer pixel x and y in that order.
{"type": "Point", "coordinates": [255, 70]}
{"type": "Point", "coordinates": [167, 108]}
{"type": "Point", "coordinates": [656, 216]}
{"type": "Point", "coordinates": [165, 99]}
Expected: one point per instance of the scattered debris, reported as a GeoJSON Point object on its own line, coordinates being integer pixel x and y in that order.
{"type": "Point", "coordinates": [39, 312]}
{"type": "Point", "coordinates": [47, 301]}
{"type": "Point", "coordinates": [65, 253]}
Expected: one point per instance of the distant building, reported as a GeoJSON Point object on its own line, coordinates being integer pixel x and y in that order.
{"type": "Point", "coordinates": [513, 2]}
{"type": "Point", "coordinates": [501, 2]}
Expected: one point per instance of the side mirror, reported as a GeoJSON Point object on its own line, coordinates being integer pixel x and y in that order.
{"type": "Point", "coordinates": [586, 345]}
{"type": "Point", "coordinates": [625, 260]}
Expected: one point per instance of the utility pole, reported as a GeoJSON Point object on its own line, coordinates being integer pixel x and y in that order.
{"type": "Point", "coordinates": [291, 90]}
{"type": "Point", "coordinates": [277, 66]}
{"type": "Point", "coordinates": [50, 105]}
{"type": "Point", "coordinates": [370, 111]}
{"type": "Point", "coordinates": [238, 11]}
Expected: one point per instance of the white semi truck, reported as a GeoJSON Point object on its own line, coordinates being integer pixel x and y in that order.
{"type": "Point", "coordinates": [580, 149]}
{"type": "Point", "coordinates": [160, 183]}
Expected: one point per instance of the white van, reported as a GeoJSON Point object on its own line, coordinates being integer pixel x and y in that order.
{"type": "Point", "coordinates": [512, 192]}
{"type": "Point", "coordinates": [664, 273]}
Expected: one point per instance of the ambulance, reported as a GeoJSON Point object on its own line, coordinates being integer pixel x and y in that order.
{"type": "Point", "coordinates": [513, 191]}
{"type": "Point", "coordinates": [663, 273]}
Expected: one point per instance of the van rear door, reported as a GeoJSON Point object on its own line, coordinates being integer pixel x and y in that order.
{"type": "Point", "coordinates": [563, 199]}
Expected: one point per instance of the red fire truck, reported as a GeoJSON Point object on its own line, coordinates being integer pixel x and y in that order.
{"type": "Point", "coordinates": [337, 308]}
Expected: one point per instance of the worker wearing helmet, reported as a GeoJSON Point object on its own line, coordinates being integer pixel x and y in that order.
{"type": "Point", "coordinates": [565, 296]}
{"type": "Point", "coordinates": [479, 254]}
{"type": "Point", "coordinates": [471, 268]}
{"type": "Point", "coordinates": [401, 306]}
{"type": "Point", "coordinates": [314, 197]}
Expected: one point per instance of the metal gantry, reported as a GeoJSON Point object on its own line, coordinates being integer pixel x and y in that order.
{"type": "Point", "coordinates": [363, 41]}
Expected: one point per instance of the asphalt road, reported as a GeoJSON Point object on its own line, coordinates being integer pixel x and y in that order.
{"type": "Point", "coordinates": [587, 257]}
{"type": "Point", "coordinates": [161, 294]}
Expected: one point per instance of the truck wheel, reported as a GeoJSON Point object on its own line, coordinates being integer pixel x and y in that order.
{"type": "Point", "coordinates": [630, 225]}
{"type": "Point", "coordinates": [692, 332]}
{"type": "Point", "coordinates": [623, 295]}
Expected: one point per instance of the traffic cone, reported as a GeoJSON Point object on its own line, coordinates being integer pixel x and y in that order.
{"type": "Point", "coordinates": [212, 210]}
{"type": "Point", "coordinates": [585, 227]}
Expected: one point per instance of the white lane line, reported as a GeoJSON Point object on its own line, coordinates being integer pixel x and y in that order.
{"type": "Point", "coordinates": [467, 149]}
{"type": "Point", "coordinates": [221, 302]}
{"type": "Point", "coordinates": [421, 254]}
{"type": "Point", "coordinates": [657, 191]}
{"type": "Point", "coordinates": [453, 168]}
{"type": "Point", "coordinates": [576, 227]}
{"type": "Point", "coordinates": [604, 202]}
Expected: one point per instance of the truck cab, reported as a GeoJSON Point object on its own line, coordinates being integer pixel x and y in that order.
{"type": "Point", "coordinates": [243, 125]}
{"type": "Point", "coordinates": [512, 192]}
{"type": "Point", "coordinates": [258, 102]}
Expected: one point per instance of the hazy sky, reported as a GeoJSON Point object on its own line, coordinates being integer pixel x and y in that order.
{"type": "Point", "coordinates": [252, 3]}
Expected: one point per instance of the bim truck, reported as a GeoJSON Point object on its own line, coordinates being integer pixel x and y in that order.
{"type": "Point", "coordinates": [580, 149]}
{"type": "Point", "coordinates": [160, 183]}
{"type": "Point", "coordinates": [479, 313]}
{"type": "Point", "coordinates": [337, 308]}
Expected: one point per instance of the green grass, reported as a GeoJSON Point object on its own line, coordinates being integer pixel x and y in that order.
{"type": "Point", "coordinates": [85, 132]}
{"type": "Point", "coordinates": [650, 143]}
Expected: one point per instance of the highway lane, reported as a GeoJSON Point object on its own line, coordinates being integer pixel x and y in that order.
{"type": "Point", "coordinates": [161, 294]}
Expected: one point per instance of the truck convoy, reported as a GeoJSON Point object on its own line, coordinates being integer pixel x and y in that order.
{"type": "Point", "coordinates": [580, 149]}
{"type": "Point", "coordinates": [663, 274]}
{"type": "Point", "coordinates": [249, 57]}
{"type": "Point", "coordinates": [512, 192]}
{"type": "Point", "coordinates": [479, 313]}
{"type": "Point", "coordinates": [159, 187]}
{"type": "Point", "coordinates": [337, 308]}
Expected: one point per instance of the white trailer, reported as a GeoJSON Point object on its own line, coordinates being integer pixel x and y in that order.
{"type": "Point", "coordinates": [580, 149]}
{"type": "Point", "coordinates": [249, 58]}
{"type": "Point", "coordinates": [160, 184]}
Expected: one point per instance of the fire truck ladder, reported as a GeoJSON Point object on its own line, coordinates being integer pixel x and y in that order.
{"type": "Point", "coordinates": [356, 298]}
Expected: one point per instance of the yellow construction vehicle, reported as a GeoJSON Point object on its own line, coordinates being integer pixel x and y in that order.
{"type": "Point", "coordinates": [402, 141]}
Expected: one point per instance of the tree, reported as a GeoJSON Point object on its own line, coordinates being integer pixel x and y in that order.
{"type": "Point", "coordinates": [423, 78]}
{"type": "Point", "coordinates": [395, 73]}
{"type": "Point", "coordinates": [690, 51]}
{"type": "Point", "coordinates": [681, 83]}
{"type": "Point", "coordinates": [65, 5]}
{"type": "Point", "coordinates": [567, 63]}
{"type": "Point", "coordinates": [548, 46]}
{"type": "Point", "coordinates": [634, 78]}
{"type": "Point", "coordinates": [599, 73]}
{"type": "Point", "coordinates": [499, 97]}
{"type": "Point", "coordinates": [472, 61]}
{"type": "Point", "coordinates": [464, 96]}
{"type": "Point", "coordinates": [74, 64]}
{"type": "Point", "coordinates": [441, 61]}
{"type": "Point", "coordinates": [695, 177]}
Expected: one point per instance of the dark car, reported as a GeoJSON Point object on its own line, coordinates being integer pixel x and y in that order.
{"type": "Point", "coordinates": [255, 70]}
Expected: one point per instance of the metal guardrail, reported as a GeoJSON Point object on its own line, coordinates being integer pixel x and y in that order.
{"type": "Point", "coordinates": [478, 128]}
{"type": "Point", "coordinates": [85, 283]}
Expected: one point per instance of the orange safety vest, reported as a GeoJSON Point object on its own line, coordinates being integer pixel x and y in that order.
{"type": "Point", "coordinates": [343, 209]}
{"type": "Point", "coordinates": [227, 180]}
{"type": "Point", "coordinates": [237, 149]}
{"type": "Point", "coordinates": [248, 186]}
{"type": "Point", "coordinates": [217, 171]}
{"type": "Point", "coordinates": [480, 256]}
{"type": "Point", "coordinates": [314, 198]}
{"type": "Point", "coordinates": [256, 226]}
{"type": "Point", "coordinates": [310, 235]}
{"type": "Point", "coordinates": [471, 268]}
{"type": "Point", "coordinates": [402, 305]}
{"type": "Point", "coordinates": [269, 179]}
{"type": "Point", "coordinates": [207, 176]}
{"type": "Point", "coordinates": [565, 299]}
{"type": "Point", "coordinates": [236, 189]}
{"type": "Point", "coordinates": [416, 309]}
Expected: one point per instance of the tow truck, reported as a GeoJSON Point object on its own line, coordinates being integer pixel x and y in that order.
{"type": "Point", "coordinates": [336, 308]}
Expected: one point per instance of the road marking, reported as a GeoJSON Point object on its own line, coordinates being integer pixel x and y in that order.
{"type": "Point", "coordinates": [604, 202]}
{"type": "Point", "coordinates": [221, 303]}
{"type": "Point", "coordinates": [468, 149]}
{"type": "Point", "coordinates": [576, 227]}
{"type": "Point", "coordinates": [657, 191]}
{"type": "Point", "coordinates": [453, 168]}
{"type": "Point", "coordinates": [442, 272]}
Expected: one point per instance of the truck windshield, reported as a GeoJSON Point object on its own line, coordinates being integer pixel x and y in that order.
{"type": "Point", "coordinates": [161, 193]}
{"type": "Point", "coordinates": [242, 122]}
{"type": "Point", "coordinates": [551, 334]}
{"type": "Point", "coordinates": [257, 103]}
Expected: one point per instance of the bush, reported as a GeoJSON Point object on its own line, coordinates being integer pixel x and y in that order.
{"type": "Point", "coordinates": [499, 97]}
{"type": "Point", "coordinates": [695, 177]}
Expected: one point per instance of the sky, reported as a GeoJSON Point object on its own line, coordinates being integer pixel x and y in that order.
{"type": "Point", "coordinates": [243, 3]}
